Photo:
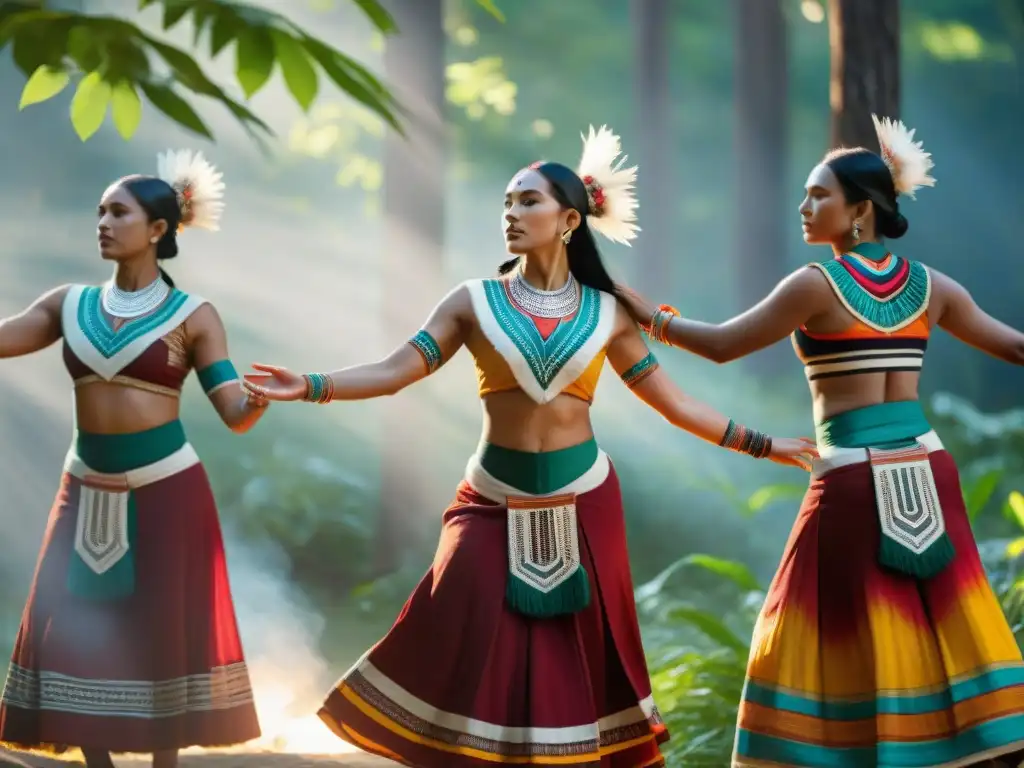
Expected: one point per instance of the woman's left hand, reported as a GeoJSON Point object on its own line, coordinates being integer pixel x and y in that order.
{"type": "Point", "coordinates": [639, 308]}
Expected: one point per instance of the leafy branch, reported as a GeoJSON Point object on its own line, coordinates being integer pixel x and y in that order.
{"type": "Point", "coordinates": [113, 59]}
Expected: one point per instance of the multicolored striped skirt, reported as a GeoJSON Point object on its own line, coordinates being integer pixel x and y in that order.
{"type": "Point", "coordinates": [857, 665]}
{"type": "Point", "coordinates": [463, 680]}
{"type": "Point", "coordinates": [128, 642]}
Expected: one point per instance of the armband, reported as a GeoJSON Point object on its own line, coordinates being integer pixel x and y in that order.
{"type": "Point", "coordinates": [640, 371]}
{"type": "Point", "coordinates": [319, 388]}
{"type": "Point", "coordinates": [424, 343]}
{"type": "Point", "coordinates": [217, 375]}
{"type": "Point", "coordinates": [743, 440]}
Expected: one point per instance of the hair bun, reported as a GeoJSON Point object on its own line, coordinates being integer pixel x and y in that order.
{"type": "Point", "coordinates": [893, 227]}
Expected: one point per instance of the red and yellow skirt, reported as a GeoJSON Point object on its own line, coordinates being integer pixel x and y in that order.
{"type": "Point", "coordinates": [854, 665]}
{"type": "Point", "coordinates": [462, 680]}
{"type": "Point", "coordinates": [128, 642]}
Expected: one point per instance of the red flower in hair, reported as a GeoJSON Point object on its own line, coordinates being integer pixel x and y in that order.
{"type": "Point", "coordinates": [595, 195]}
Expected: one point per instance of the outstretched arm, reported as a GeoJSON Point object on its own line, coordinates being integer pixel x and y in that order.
{"type": "Point", "coordinates": [639, 370]}
{"type": "Point", "coordinates": [792, 303]}
{"type": "Point", "coordinates": [34, 329]}
{"type": "Point", "coordinates": [958, 313]}
{"type": "Point", "coordinates": [430, 348]}
{"type": "Point", "coordinates": [217, 374]}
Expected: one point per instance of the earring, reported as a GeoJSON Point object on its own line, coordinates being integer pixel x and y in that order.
{"type": "Point", "coordinates": [154, 240]}
{"type": "Point", "coordinates": [856, 231]}
{"type": "Point", "coordinates": [567, 236]}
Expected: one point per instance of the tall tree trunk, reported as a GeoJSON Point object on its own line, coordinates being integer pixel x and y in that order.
{"type": "Point", "coordinates": [864, 36]}
{"type": "Point", "coordinates": [761, 158]}
{"type": "Point", "coordinates": [412, 258]}
{"type": "Point", "coordinates": [651, 21]}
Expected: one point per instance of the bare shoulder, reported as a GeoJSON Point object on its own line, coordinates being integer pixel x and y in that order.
{"type": "Point", "coordinates": [204, 319]}
{"type": "Point", "coordinates": [54, 298]}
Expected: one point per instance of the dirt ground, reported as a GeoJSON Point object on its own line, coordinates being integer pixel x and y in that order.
{"type": "Point", "coordinates": [248, 760]}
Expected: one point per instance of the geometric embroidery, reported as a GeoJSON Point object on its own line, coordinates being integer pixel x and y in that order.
{"type": "Point", "coordinates": [545, 357]}
{"type": "Point", "coordinates": [105, 339]}
{"type": "Point", "coordinates": [221, 688]}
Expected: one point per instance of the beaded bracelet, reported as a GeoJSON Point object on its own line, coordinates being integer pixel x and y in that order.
{"type": "Point", "coordinates": [743, 440]}
{"type": "Point", "coordinates": [659, 322]}
{"type": "Point", "coordinates": [319, 388]}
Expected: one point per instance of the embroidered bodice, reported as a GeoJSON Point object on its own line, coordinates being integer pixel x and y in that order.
{"type": "Point", "coordinates": [542, 357]}
{"type": "Point", "coordinates": [147, 352]}
{"type": "Point", "coordinates": [888, 297]}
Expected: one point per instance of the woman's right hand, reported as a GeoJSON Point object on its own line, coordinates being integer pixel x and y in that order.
{"type": "Point", "coordinates": [275, 383]}
{"type": "Point", "coordinates": [639, 307]}
{"type": "Point", "coordinates": [794, 451]}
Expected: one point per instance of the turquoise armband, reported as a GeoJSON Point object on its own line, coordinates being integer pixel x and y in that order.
{"type": "Point", "coordinates": [428, 349]}
{"type": "Point", "coordinates": [216, 375]}
{"type": "Point", "coordinates": [640, 371]}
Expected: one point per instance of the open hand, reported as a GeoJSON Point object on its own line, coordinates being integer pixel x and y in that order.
{"type": "Point", "coordinates": [274, 383]}
{"type": "Point", "coordinates": [639, 308]}
{"type": "Point", "coordinates": [794, 451]}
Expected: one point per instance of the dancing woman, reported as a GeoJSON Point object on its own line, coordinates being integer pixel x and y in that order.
{"type": "Point", "coordinates": [521, 644]}
{"type": "Point", "coordinates": [880, 642]}
{"type": "Point", "coordinates": [128, 642]}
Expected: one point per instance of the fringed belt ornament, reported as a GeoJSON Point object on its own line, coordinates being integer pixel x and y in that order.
{"type": "Point", "coordinates": [914, 539]}
{"type": "Point", "coordinates": [101, 534]}
{"type": "Point", "coordinates": [546, 577]}
{"type": "Point", "coordinates": [102, 565]}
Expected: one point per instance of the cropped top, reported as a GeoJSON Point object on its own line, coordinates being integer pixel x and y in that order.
{"type": "Point", "coordinates": [542, 357]}
{"type": "Point", "coordinates": [888, 297]}
{"type": "Point", "coordinates": [147, 353]}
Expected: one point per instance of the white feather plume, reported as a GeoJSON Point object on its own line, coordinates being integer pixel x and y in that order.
{"type": "Point", "coordinates": [905, 158]}
{"type": "Point", "coordinates": [199, 185]}
{"type": "Point", "coordinates": [614, 213]}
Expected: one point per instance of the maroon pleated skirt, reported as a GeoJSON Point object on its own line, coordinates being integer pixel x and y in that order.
{"type": "Point", "coordinates": [159, 669]}
{"type": "Point", "coordinates": [461, 680]}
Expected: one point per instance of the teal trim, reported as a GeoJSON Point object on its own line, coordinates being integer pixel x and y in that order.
{"type": "Point", "coordinates": [106, 340]}
{"type": "Point", "coordinates": [538, 474]}
{"type": "Point", "coordinates": [640, 371]}
{"type": "Point", "coordinates": [116, 583]}
{"type": "Point", "coordinates": [215, 374]}
{"type": "Point", "coordinates": [111, 454]}
{"type": "Point", "coordinates": [883, 704]}
{"type": "Point", "coordinates": [890, 314]}
{"type": "Point", "coordinates": [1005, 732]}
{"type": "Point", "coordinates": [885, 425]}
{"type": "Point", "coordinates": [429, 348]}
{"type": "Point", "coordinates": [873, 251]}
{"type": "Point", "coordinates": [546, 357]}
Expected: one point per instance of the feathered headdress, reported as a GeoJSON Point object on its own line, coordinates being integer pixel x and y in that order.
{"type": "Point", "coordinates": [906, 159]}
{"type": "Point", "coordinates": [198, 184]}
{"type": "Point", "coordinates": [609, 186]}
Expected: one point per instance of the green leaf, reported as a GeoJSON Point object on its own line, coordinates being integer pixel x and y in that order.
{"type": "Point", "coordinates": [175, 107]}
{"type": "Point", "coordinates": [89, 105]}
{"type": "Point", "coordinates": [379, 15]}
{"type": "Point", "coordinates": [770, 494]}
{"type": "Point", "coordinates": [980, 492]}
{"type": "Point", "coordinates": [254, 59]}
{"type": "Point", "coordinates": [186, 70]}
{"type": "Point", "coordinates": [126, 109]}
{"type": "Point", "coordinates": [225, 26]}
{"type": "Point", "coordinates": [44, 84]}
{"type": "Point", "coordinates": [491, 8]}
{"type": "Point", "coordinates": [174, 12]}
{"type": "Point", "coordinates": [298, 72]}
{"type": "Point", "coordinates": [710, 625]}
{"type": "Point", "coordinates": [354, 80]}
{"type": "Point", "coordinates": [736, 572]}
{"type": "Point", "coordinates": [84, 48]}
{"type": "Point", "coordinates": [1015, 506]}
